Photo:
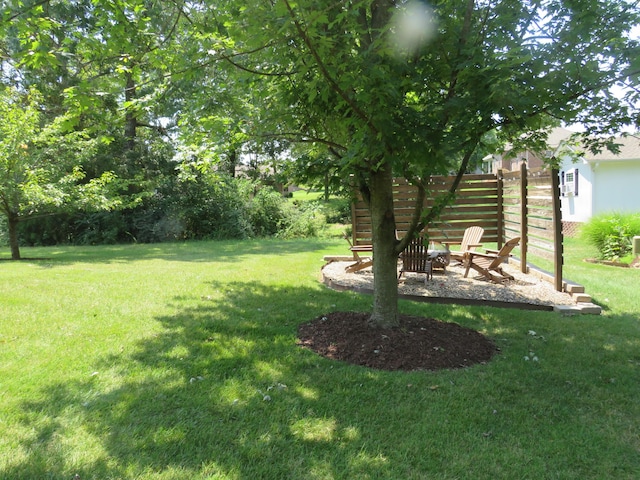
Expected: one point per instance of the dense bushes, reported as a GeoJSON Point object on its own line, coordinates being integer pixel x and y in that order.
{"type": "Point", "coordinates": [201, 207]}
{"type": "Point", "coordinates": [206, 208]}
{"type": "Point", "coordinates": [266, 211]}
{"type": "Point", "coordinates": [612, 233]}
{"type": "Point", "coordinates": [306, 220]}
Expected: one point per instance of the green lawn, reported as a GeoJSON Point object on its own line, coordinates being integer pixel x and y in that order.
{"type": "Point", "coordinates": [179, 361]}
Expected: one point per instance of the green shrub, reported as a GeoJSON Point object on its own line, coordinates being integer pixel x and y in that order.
{"type": "Point", "coordinates": [200, 206]}
{"type": "Point", "coordinates": [272, 215]}
{"type": "Point", "coordinates": [611, 233]}
{"type": "Point", "coordinates": [100, 228]}
{"type": "Point", "coordinates": [44, 231]}
{"type": "Point", "coordinates": [338, 210]}
{"type": "Point", "coordinates": [155, 220]}
{"type": "Point", "coordinates": [212, 207]}
{"type": "Point", "coordinates": [267, 212]}
{"type": "Point", "coordinates": [302, 221]}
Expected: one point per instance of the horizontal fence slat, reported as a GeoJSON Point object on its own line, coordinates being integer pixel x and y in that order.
{"type": "Point", "coordinates": [546, 254]}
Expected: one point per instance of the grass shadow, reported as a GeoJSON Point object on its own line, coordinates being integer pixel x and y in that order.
{"type": "Point", "coordinates": [223, 391]}
{"type": "Point", "coordinates": [192, 251]}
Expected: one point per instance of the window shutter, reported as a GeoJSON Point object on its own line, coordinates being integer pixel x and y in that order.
{"type": "Point", "coordinates": [575, 182]}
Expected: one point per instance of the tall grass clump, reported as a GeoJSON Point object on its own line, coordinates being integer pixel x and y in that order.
{"type": "Point", "coordinates": [611, 233]}
{"type": "Point", "coordinates": [302, 221]}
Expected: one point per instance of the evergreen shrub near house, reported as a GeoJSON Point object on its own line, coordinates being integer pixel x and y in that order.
{"type": "Point", "coordinates": [612, 233]}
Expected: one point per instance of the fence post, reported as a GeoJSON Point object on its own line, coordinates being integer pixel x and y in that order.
{"type": "Point", "coordinates": [558, 238]}
{"type": "Point", "coordinates": [500, 205]}
{"type": "Point", "coordinates": [524, 200]}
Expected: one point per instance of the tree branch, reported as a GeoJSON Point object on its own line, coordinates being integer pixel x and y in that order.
{"type": "Point", "coordinates": [565, 100]}
{"type": "Point", "coordinates": [158, 128]}
{"type": "Point", "coordinates": [252, 71]}
{"type": "Point", "coordinates": [30, 7]}
{"type": "Point", "coordinates": [414, 226]}
{"type": "Point", "coordinates": [441, 202]}
{"type": "Point", "coordinates": [302, 138]}
{"type": "Point", "coordinates": [325, 72]}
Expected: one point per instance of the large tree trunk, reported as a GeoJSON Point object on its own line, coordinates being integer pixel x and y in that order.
{"type": "Point", "coordinates": [326, 186]}
{"type": "Point", "coordinates": [232, 162]}
{"type": "Point", "coordinates": [12, 221]}
{"type": "Point", "coordinates": [385, 257]}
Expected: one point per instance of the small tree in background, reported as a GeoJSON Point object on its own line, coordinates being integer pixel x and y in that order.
{"type": "Point", "coordinates": [41, 167]}
{"type": "Point", "coordinates": [19, 173]}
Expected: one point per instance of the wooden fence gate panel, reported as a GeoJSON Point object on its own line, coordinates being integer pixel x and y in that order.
{"type": "Point", "coordinates": [531, 211]}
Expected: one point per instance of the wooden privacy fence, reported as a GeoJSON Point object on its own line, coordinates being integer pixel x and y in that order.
{"type": "Point", "coordinates": [531, 211]}
{"type": "Point", "coordinates": [523, 204]}
{"type": "Point", "coordinates": [478, 199]}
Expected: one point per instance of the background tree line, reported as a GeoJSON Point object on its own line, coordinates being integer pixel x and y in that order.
{"type": "Point", "coordinates": [164, 121]}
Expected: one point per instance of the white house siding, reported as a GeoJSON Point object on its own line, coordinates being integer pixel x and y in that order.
{"type": "Point", "coordinates": [617, 186]}
{"type": "Point", "coordinates": [577, 207]}
{"type": "Point", "coordinates": [607, 182]}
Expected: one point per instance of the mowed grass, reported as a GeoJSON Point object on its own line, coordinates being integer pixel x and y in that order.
{"type": "Point", "coordinates": [179, 361]}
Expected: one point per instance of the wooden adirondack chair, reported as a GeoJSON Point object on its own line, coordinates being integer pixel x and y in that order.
{"type": "Point", "coordinates": [489, 265]}
{"type": "Point", "coordinates": [359, 262]}
{"type": "Point", "coordinates": [470, 241]}
{"type": "Point", "coordinates": [415, 258]}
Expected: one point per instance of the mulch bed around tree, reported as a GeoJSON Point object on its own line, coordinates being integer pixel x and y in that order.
{"type": "Point", "coordinates": [418, 344]}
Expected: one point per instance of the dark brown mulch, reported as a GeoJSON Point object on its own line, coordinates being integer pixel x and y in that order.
{"type": "Point", "coordinates": [418, 344]}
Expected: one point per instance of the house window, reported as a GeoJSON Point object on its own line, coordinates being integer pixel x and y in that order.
{"type": "Point", "coordinates": [569, 183]}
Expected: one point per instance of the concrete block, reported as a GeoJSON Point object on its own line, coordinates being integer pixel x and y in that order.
{"type": "Point", "coordinates": [583, 308]}
{"type": "Point", "coordinates": [567, 309]}
{"type": "Point", "coordinates": [581, 297]}
{"type": "Point", "coordinates": [572, 288]}
{"type": "Point", "coordinates": [590, 308]}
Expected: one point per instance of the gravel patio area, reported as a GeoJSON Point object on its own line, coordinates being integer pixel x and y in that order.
{"type": "Point", "coordinates": [525, 290]}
